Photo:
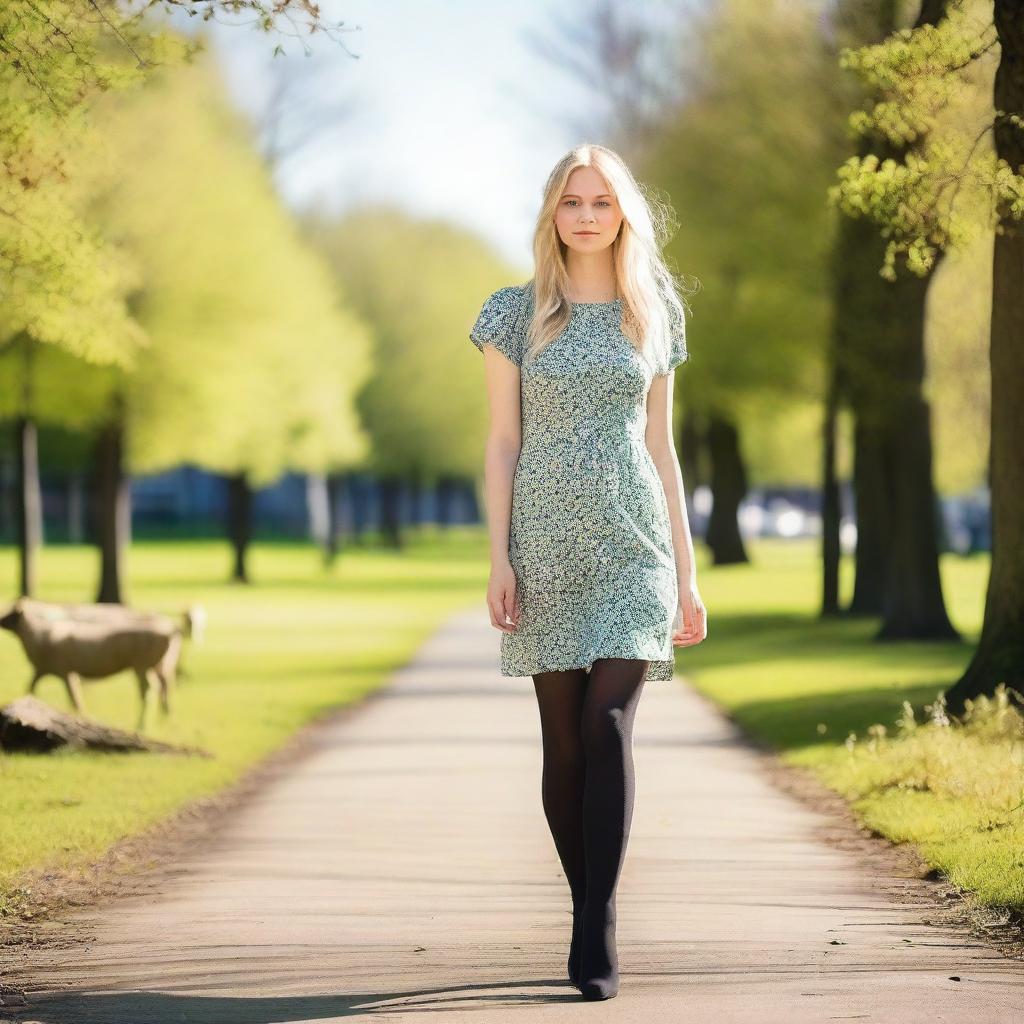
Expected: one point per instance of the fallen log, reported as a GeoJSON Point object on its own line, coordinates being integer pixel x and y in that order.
{"type": "Point", "coordinates": [31, 724]}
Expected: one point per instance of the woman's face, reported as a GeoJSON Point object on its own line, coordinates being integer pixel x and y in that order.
{"type": "Point", "coordinates": [588, 216]}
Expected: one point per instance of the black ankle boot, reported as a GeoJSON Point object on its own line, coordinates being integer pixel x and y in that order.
{"type": "Point", "coordinates": [599, 962]}
{"type": "Point", "coordinates": [575, 945]}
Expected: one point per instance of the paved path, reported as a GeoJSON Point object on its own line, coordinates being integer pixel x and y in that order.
{"type": "Point", "coordinates": [403, 871]}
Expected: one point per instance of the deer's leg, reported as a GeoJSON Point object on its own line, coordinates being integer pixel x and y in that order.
{"type": "Point", "coordinates": [164, 683]}
{"type": "Point", "coordinates": [145, 688]}
{"type": "Point", "coordinates": [73, 681]}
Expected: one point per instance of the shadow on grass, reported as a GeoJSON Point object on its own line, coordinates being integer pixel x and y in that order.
{"type": "Point", "coordinates": [810, 709]}
{"type": "Point", "coordinates": [792, 723]}
{"type": "Point", "coordinates": [741, 639]}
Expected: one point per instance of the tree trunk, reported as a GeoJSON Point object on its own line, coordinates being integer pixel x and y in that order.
{"type": "Point", "coordinates": [844, 313]}
{"type": "Point", "coordinates": [390, 513]}
{"type": "Point", "coordinates": [728, 488]}
{"type": "Point", "coordinates": [416, 491]}
{"type": "Point", "coordinates": [445, 491]}
{"type": "Point", "coordinates": [112, 504]}
{"type": "Point", "coordinates": [239, 524]}
{"type": "Point", "coordinates": [912, 603]}
{"type": "Point", "coordinates": [858, 356]}
{"type": "Point", "coordinates": [28, 494]}
{"type": "Point", "coordinates": [830, 508]}
{"type": "Point", "coordinates": [359, 499]}
{"type": "Point", "coordinates": [855, 283]}
{"type": "Point", "coordinates": [895, 466]}
{"type": "Point", "coordinates": [690, 443]}
{"type": "Point", "coordinates": [870, 516]}
{"type": "Point", "coordinates": [1000, 653]}
{"type": "Point", "coordinates": [75, 508]}
{"type": "Point", "coordinates": [29, 516]}
{"type": "Point", "coordinates": [317, 509]}
{"type": "Point", "coordinates": [880, 352]}
{"type": "Point", "coordinates": [335, 482]}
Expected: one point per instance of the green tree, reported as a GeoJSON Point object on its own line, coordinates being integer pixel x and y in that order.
{"type": "Point", "coordinates": [61, 287]}
{"type": "Point", "coordinates": [881, 368]}
{"type": "Point", "coordinates": [251, 365]}
{"type": "Point", "coordinates": [746, 158]}
{"type": "Point", "coordinates": [419, 283]}
{"type": "Point", "coordinates": [935, 197]}
{"type": "Point", "coordinates": [60, 284]}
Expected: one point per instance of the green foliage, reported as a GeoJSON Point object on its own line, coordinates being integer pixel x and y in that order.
{"type": "Point", "coordinates": [253, 363]}
{"type": "Point", "coordinates": [745, 159]}
{"type": "Point", "coordinates": [53, 385]}
{"type": "Point", "coordinates": [420, 284]}
{"type": "Point", "coordinates": [936, 180]}
{"type": "Point", "coordinates": [183, 287]}
{"type": "Point", "coordinates": [60, 282]}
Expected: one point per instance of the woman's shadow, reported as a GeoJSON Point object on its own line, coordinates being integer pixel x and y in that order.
{"type": "Point", "coordinates": [169, 1008]}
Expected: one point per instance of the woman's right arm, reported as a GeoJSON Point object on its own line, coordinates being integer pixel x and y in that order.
{"type": "Point", "coordinates": [504, 439]}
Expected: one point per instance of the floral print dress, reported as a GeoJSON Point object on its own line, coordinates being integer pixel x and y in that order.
{"type": "Point", "coordinates": [589, 538]}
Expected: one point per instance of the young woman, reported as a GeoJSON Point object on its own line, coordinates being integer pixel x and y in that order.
{"type": "Point", "coordinates": [592, 578]}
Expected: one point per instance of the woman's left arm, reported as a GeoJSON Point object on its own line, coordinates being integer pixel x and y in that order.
{"type": "Point", "coordinates": [660, 443]}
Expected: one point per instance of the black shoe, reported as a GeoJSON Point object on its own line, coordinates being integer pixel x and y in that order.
{"type": "Point", "coordinates": [599, 965]}
{"type": "Point", "coordinates": [600, 988]}
{"type": "Point", "coordinates": [575, 946]}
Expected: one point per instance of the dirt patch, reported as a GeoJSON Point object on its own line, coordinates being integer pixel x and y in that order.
{"type": "Point", "coordinates": [899, 868]}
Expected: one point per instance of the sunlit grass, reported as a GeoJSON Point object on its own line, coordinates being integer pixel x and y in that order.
{"type": "Point", "coordinates": [956, 789]}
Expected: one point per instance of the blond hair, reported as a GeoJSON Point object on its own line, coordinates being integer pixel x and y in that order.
{"type": "Point", "coordinates": [649, 291]}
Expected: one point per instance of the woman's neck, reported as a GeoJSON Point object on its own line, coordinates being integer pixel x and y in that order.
{"type": "Point", "coordinates": [591, 277]}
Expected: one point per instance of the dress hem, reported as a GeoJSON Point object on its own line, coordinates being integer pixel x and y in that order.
{"type": "Point", "coordinates": [661, 664]}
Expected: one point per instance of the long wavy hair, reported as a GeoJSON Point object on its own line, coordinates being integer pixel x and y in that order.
{"type": "Point", "coordinates": [650, 292]}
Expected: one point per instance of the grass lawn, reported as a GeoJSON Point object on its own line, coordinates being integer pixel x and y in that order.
{"type": "Point", "coordinates": [805, 685]}
{"type": "Point", "coordinates": [301, 640]}
{"type": "Point", "coordinates": [297, 641]}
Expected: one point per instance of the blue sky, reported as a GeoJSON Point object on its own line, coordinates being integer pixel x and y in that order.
{"type": "Point", "coordinates": [454, 114]}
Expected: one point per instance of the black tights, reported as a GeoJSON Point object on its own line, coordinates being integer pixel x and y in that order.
{"type": "Point", "coordinates": [587, 789]}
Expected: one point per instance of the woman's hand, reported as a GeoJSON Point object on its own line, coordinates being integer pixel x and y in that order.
{"type": "Point", "coordinates": [503, 597]}
{"type": "Point", "coordinates": [691, 618]}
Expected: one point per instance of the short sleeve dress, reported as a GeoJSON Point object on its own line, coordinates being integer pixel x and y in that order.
{"type": "Point", "coordinates": [590, 540]}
